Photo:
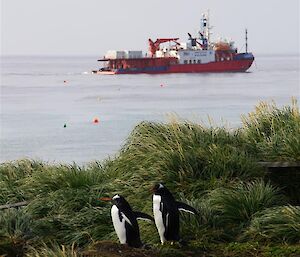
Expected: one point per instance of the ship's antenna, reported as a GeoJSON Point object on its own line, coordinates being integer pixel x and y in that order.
{"type": "Point", "coordinates": [208, 32]}
{"type": "Point", "coordinates": [246, 38]}
{"type": "Point", "coordinates": [208, 28]}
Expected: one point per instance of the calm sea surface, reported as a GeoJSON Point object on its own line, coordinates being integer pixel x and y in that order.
{"type": "Point", "coordinates": [36, 103]}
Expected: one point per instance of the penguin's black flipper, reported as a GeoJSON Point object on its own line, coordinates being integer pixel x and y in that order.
{"type": "Point", "coordinates": [185, 207]}
{"type": "Point", "coordinates": [143, 216]}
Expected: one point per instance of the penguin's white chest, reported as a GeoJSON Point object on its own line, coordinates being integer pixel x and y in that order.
{"type": "Point", "coordinates": [118, 225]}
{"type": "Point", "coordinates": [158, 217]}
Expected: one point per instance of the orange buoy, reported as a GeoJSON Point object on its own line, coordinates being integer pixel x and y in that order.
{"type": "Point", "coordinates": [96, 120]}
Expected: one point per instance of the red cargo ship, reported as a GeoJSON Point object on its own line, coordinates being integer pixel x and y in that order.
{"type": "Point", "coordinates": [199, 54]}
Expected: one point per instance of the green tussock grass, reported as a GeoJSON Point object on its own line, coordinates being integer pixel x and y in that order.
{"type": "Point", "coordinates": [186, 155]}
{"type": "Point", "coordinates": [280, 224]}
{"type": "Point", "coordinates": [16, 231]}
{"type": "Point", "coordinates": [238, 204]}
{"type": "Point", "coordinates": [54, 250]}
{"type": "Point", "coordinates": [214, 169]}
{"type": "Point", "coordinates": [272, 133]}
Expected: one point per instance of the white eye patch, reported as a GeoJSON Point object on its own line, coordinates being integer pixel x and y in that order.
{"type": "Point", "coordinates": [160, 186]}
{"type": "Point", "coordinates": [116, 197]}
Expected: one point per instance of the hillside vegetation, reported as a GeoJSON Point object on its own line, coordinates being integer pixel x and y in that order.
{"type": "Point", "coordinates": [214, 169]}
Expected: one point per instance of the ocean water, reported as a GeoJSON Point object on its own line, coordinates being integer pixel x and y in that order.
{"type": "Point", "coordinates": [36, 103]}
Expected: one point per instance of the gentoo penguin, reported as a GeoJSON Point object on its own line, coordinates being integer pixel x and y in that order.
{"type": "Point", "coordinates": [125, 221]}
{"type": "Point", "coordinates": [166, 213]}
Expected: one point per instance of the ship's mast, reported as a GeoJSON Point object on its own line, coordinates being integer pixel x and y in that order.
{"type": "Point", "coordinates": [204, 26]}
{"type": "Point", "coordinates": [205, 29]}
{"type": "Point", "coordinates": [246, 39]}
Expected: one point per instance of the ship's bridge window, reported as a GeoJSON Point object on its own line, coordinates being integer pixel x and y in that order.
{"type": "Point", "coordinates": [185, 61]}
{"type": "Point", "coordinates": [199, 61]}
{"type": "Point", "coordinates": [190, 61]}
{"type": "Point", "coordinates": [194, 61]}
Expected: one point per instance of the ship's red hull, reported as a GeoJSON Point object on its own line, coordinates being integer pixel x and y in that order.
{"type": "Point", "coordinates": [220, 66]}
{"type": "Point", "coordinates": [225, 66]}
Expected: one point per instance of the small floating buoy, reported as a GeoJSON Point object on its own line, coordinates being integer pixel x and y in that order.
{"type": "Point", "coordinates": [65, 81]}
{"type": "Point", "coordinates": [161, 85]}
{"type": "Point", "coordinates": [96, 120]}
{"type": "Point", "coordinates": [65, 125]}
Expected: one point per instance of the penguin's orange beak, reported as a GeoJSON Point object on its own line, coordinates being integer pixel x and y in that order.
{"type": "Point", "coordinates": [105, 199]}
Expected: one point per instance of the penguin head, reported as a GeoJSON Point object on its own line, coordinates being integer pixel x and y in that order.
{"type": "Point", "coordinates": [159, 189]}
{"type": "Point", "coordinates": [117, 200]}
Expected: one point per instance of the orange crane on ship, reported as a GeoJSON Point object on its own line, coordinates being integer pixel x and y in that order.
{"type": "Point", "coordinates": [154, 46]}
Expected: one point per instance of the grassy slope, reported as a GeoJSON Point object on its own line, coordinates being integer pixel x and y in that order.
{"type": "Point", "coordinates": [213, 169]}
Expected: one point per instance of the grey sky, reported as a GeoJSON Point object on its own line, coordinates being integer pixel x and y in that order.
{"type": "Point", "coordinates": [90, 27]}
